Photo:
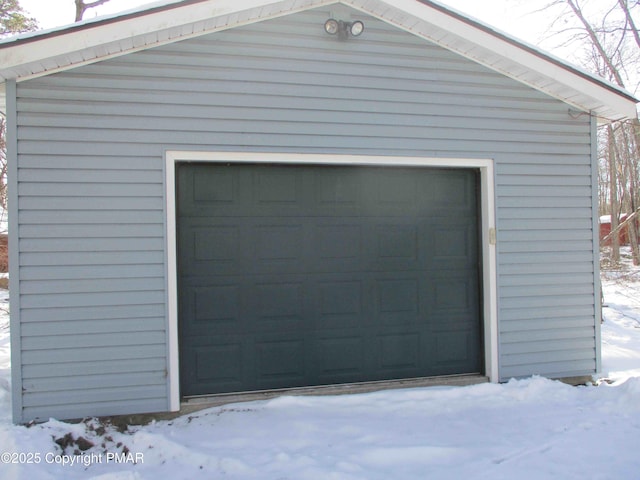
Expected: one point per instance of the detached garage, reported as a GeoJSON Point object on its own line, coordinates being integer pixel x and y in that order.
{"type": "Point", "coordinates": [214, 197]}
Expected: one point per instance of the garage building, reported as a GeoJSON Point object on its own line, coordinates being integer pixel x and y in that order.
{"type": "Point", "coordinates": [212, 196]}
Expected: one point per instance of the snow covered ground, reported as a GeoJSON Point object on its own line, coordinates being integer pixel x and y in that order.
{"type": "Point", "coordinates": [526, 429]}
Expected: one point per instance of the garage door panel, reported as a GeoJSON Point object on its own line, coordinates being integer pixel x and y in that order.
{"type": "Point", "coordinates": [214, 186]}
{"type": "Point", "coordinates": [340, 303]}
{"type": "Point", "coordinates": [286, 190]}
{"type": "Point", "coordinates": [397, 300]}
{"type": "Point", "coordinates": [217, 308]}
{"type": "Point", "coordinates": [396, 242]}
{"type": "Point", "coordinates": [442, 192]}
{"type": "Point", "coordinates": [455, 351]}
{"type": "Point", "coordinates": [299, 255]}
{"type": "Point", "coordinates": [217, 244]}
{"type": "Point", "coordinates": [452, 295]}
{"type": "Point", "coordinates": [204, 249]}
{"type": "Point", "coordinates": [292, 276]}
{"type": "Point", "coordinates": [219, 303]}
{"type": "Point", "coordinates": [280, 358]}
{"type": "Point", "coordinates": [341, 357]}
{"type": "Point", "coordinates": [399, 352]}
{"type": "Point", "coordinates": [339, 242]}
{"type": "Point", "coordinates": [215, 367]}
{"type": "Point", "coordinates": [279, 302]}
{"type": "Point", "coordinates": [452, 242]}
{"type": "Point", "coordinates": [279, 242]}
{"type": "Point", "coordinates": [219, 363]}
{"type": "Point", "coordinates": [338, 192]}
{"type": "Point", "coordinates": [203, 189]}
{"type": "Point", "coordinates": [277, 186]}
{"type": "Point", "coordinates": [396, 190]}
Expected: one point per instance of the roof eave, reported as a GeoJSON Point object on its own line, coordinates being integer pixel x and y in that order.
{"type": "Point", "coordinates": [496, 50]}
{"type": "Point", "coordinates": [25, 58]}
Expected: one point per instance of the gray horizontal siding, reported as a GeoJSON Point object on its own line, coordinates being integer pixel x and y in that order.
{"type": "Point", "coordinates": [85, 273]}
{"type": "Point", "coordinates": [302, 131]}
{"type": "Point", "coordinates": [546, 213]}
{"type": "Point", "coordinates": [48, 217]}
{"type": "Point", "coordinates": [112, 230]}
{"type": "Point", "coordinates": [91, 150]}
{"type": "Point", "coordinates": [53, 356]}
{"type": "Point", "coordinates": [100, 407]}
{"type": "Point", "coordinates": [113, 380]}
{"type": "Point", "coordinates": [97, 326]}
{"type": "Point", "coordinates": [76, 164]}
{"type": "Point", "coordinates": [520, 366]}
{"type": "Point", "coordinates": [54, 258]}
{"type": "Point", "coordinates": [92, 395]}
{"type": "Point", "coordinates": [69, 341]}
{"type": "Point", "coordinates": [94, 312]}
{"type": "Point", "coordinates": [92, 285]}
{"type": "Point", "coordinates": [558, 334]}
{"type": "Point", "coordinates": [116, 366]}
{"type": "Point", "coordinates": [138, 297]}
{"type": "Point", "coordinates": [546, 319]}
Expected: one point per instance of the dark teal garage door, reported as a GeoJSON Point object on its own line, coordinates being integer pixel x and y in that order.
{"type": "Point", "coordinates": [311, 275]}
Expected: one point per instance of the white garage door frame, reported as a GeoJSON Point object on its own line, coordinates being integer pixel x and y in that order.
{"type": "Point", "coordinates": [489, 265]}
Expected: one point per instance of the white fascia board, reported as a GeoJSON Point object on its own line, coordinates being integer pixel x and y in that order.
{"type": "Point", "coordinates": [505, 57]}
{"type": "Point", "coordinates": [84, 38]}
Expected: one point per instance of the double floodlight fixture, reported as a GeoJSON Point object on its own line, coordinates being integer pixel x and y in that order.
{"type": "Point", "coordinates": [343, 29]}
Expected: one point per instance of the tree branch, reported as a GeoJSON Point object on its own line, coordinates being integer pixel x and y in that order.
{"type": "Point", "coordinates": [596, 41]}
{"type": "Point", "coordinates": [627, 13]}
{"type": "Point", "coordinates": [620, 226]}
{"type": "Point", "coordinates": [82, 7]}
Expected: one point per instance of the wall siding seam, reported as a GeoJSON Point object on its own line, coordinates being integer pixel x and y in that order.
{"type": "Point", "coordinates": [14, 251]}
{"type": "Point", "coordinates": [597, 286]}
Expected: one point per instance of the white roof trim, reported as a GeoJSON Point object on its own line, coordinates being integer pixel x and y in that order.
{"type": "Point", "coordinates": [513, 58]}
{"type": "Point", "coordinates": [39, 54]}
{"type": "Point", "coordinates": [88, 41]}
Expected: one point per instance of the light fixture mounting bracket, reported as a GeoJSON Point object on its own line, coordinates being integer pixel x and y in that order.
{"type": "Point", "coordinates": [343, 29]}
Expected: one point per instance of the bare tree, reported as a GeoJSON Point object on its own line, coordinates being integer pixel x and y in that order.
{"type": "Point", "coordinates": [624, 5]}
{"type": "Point", "coordinates": [13, 20]}
{"type": "Point", "coordinates": [613, 195]}
{"type": "Point", "coordinates": [607, 33]}
{"type": "Point", "coordinates": [82, 7]}
{"type": "Point", "coordinates": [3, 166]}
